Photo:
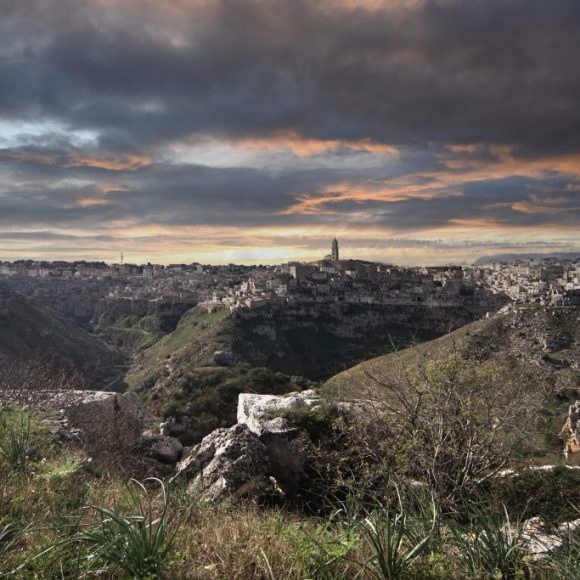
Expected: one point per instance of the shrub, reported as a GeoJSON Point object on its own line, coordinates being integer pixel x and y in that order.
{"type": "Point", "coordinates": [454, 422]}
{"type": "Point", "coordinates": [550, 494]}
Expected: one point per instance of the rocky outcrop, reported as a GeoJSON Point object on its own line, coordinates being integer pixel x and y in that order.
{"type": "Point", "coordinates": [538, 540]}
{"type": "Point", "coordinates": [267, 444]}
{"type": "Point", "coordinates": [99, 417]}
{"type": "Point", "coordinates": [263, 413]}
{"type": "Point", "coordinates": [114, 417]}
{"type": "Point", "coordinates": [227, 463]}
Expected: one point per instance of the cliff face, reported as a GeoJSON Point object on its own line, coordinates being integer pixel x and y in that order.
{"type": "Point", "coordinates": [312, 341]}
{"type": "Point", "coordinates": [316, 341]}
{"type": "Point", "coordinates": [28, 329]}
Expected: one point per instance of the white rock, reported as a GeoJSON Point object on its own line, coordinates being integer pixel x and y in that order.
{"type": "Point", "coordinates": [227, 463]}
{"type": "Point", "coordinates": [258, 412]}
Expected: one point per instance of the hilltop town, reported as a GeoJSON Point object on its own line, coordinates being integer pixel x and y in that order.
{"type": "Point", "coordinates": [79, 289]}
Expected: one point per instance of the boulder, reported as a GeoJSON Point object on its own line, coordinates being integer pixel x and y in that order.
{"type": "Point", "coordinates": [259, 412]}
{"type": "Point", "coordinates": [281, 438]}
{"type": "Point", "coordinates": [228, 463]}
{"type": "Point", "coordinates": [539, 540]}
{"type": "Point", "coordinates": [107, 418]}
{"type": "Point", "coordinates": [165, 449]}
{"type": "Point", "coordinates": [265, 445]}
{"type": "Point", "coordinates": [223, 358]}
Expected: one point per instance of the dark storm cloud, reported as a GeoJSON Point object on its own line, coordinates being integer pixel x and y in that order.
{"type": "Point", "coordinates": [502, 71]}
{"type": "Point", "coordinates": [118, 86]}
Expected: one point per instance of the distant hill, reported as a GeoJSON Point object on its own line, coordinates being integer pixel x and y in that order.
{"type": "Point", "coordinates": [28, 329]}
{"type": "Point", "coordinates": [514, 257]}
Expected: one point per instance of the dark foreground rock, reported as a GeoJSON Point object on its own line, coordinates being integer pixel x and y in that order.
{"type": "Point", "coordinates": [165, 449]}
{"type": "Point", "coordinates": [267, 445]}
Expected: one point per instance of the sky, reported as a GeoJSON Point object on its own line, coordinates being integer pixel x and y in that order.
{"type": "Point", "coordinates": [254, 131]}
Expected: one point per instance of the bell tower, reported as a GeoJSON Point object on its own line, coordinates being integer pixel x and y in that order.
{"type": "Point", "coordinates": [335, 255]}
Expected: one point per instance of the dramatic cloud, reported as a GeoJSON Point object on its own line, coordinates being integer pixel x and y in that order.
{"type": "Point", "coordinates": [254, 130]}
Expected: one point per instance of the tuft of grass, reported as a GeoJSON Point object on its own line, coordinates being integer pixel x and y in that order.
{"type": "Point", "coordinates": [492, 546]}
{"type": "Point", "coordinates": [395, 541]}
{"type": "Point", "coordinates": [565, 565]}
{"type": "Point", "coordinates": [15, 438]}
{"type": "Point", "coordinates": [61, 468]}
{"type": "Point", "coordinates": [8, 534]}
{"type": "Point", "coordinates": [135, 546]}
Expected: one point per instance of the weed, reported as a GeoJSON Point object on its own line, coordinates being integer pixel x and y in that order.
{"type": "Point", "coordinates": [491, 545]}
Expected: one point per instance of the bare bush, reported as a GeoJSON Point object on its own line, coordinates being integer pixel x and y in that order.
{"type": "Point", "coordinates": [455, 422]}
{"type": "Point", "coordinates": [34, 382]}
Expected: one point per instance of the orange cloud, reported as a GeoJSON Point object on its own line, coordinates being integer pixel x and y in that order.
{"type": "Point", "coordinates": [292, 141]}
{"type": "Point", "coordinates": [118, 163]}
{"type": "Point", "coordinates": [504, 163]}
{"type": "Point", "coordinates": [123, 163]}
{"type": "Point", "coordinates": [387, 191]}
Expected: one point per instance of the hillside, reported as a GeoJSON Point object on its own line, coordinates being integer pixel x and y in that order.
{"type": "Point", "coordinates": [531, 334]}
{"type": "Point", "coordinates": [196, 372]}
{"type": "Point", "coordinates": [528, 337]}
{"type": "Point", "coordinates": [28, 329]}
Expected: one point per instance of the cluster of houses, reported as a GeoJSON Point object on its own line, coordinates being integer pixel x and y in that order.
{"type": "Point", "coordinates": [356, 282]}
{"type": "Point", "coordinates": [330, 280]}
{"type": "Point", "coordinates": [545, 281]}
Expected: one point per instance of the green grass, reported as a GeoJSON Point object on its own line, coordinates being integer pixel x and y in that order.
{"type": "Point", "coordinates": [354, 383]}
{"type": "Point", "coordinates": [196, 324]}
{"type": "Point", "coordinates": [16, 444]}
{"type": "Point", "coordinates": [59, 520]}
{"type": "Point", "coordinates": [133, 545]}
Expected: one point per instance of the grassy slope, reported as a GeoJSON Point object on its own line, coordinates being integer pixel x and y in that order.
{"type": "Point", "coordinates": [354, 382]}
{"type": "Point", "coordinates": [198, 335]}
{"type": "Point", "coordinates": [515, 338]}
{"type": "Point", "coordinates": [518, 334]}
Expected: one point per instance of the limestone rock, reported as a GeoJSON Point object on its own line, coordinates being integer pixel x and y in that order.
{"type": "Point", "coordinates": [227, 463]}
{"type": "Point", "coordinates": [112, 418]}
{"type": "Point", "coordinates": [223, 358]}
{"type": "Point", "coordinates": [258, 412]}
{"type": "Point", "coordinates": [537, 540]}
{"type": "Point", "coordinates": [164, 449]}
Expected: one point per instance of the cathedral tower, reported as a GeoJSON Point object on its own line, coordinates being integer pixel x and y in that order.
{"type": "Point", "coordinates": [335, 257]}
